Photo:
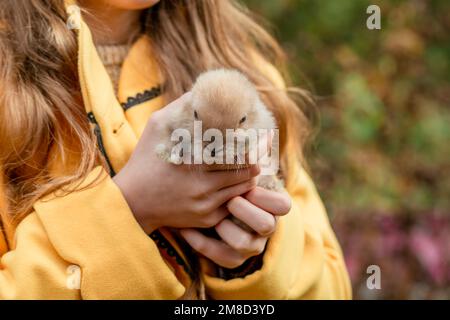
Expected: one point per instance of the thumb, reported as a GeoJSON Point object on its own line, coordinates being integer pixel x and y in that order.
{"type": "Point", "coordinates": [175, 105]}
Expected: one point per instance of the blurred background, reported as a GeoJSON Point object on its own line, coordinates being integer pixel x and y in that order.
{"type": "Point", "coordinates": [381, 159]}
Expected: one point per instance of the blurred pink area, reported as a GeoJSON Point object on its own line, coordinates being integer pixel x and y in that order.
{"type": "Point", "coordinates": [413, 253]}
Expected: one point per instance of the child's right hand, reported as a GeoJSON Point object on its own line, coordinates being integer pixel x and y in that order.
{"type": "Point", "coordinates": [163, 194]}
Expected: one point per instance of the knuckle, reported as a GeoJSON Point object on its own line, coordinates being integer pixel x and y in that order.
{"type": "Point", "coordinates": [233, 263]}
{"type": "Point", "coordinates": [243, 243]}
{"type": "Point", "coordinates": [251, 193]}
{"type": "Point", "coordinates": [201, 246]}
{"type": "Point", "coordinates": [255, 171]}
{"type": "Point", "coordinates": [236, 262]}
{"type": "Point", "coordinates": [210, 222]}
{"type": "Point", "coordinates": [267, 227]}
{"type": "Point", "coordinates": [196, 192]}
{"type": "Point", "coordinates": [204, 224]}
{"type": "Point", "coordinates": [202, 191]}
{"type": "Point", "coordinates": [202, 208]}
{"type": "Point", "coordinates": [259, 249]}
{"type": "Point", "coordinates": [196, 211]}
{"type": "Point", "coordinates": [233, 202]}
{"type": "Point", "coordinates": [252, 183]}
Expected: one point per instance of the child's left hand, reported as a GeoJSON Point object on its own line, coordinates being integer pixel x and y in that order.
{"type": "Point", "coordinates": [259, 210]}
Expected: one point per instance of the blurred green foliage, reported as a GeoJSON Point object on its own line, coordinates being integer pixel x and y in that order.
{"type": "Point", "coordinates": [383, 96]}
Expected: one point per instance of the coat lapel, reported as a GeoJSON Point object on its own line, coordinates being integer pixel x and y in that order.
{"type": "Point", "coordinates": [140, 85]}
{"type": "Point", "coordinates": [118, 137]}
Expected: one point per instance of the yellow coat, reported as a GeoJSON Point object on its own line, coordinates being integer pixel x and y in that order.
{"type": "Point", "coordinates": [94, 231]}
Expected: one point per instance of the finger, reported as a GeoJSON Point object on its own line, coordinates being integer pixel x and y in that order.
{"type": "Point", "coordinates": [160, 118]}
{"type": "Point", "coordinates": [175, 105]}
{"type": "Point", "coordinates": [215, 217]}
{"type": "Point", "coordinates": [276, 203]}
{"type": "Point", "coordinates": [215, 250]}
{"type": "Point", "coordinates": [240, 240]}
{"type": "Point", "coordinates": [226, 178]}
{"type": "Point", "coordinates": [226, 194]}
{"type": "Point", "coordinates": [256, 218]}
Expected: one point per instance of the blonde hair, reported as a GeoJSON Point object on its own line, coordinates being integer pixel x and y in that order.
{"type": "Point", "coordinates": [41, 105]}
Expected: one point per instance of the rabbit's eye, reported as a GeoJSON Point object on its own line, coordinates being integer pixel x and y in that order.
{"type": "Point", "coordinates": [195, 115]}
{"type": "Point", "coordinates": [243, 120]}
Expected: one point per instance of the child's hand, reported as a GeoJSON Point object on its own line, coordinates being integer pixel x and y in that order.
{"type": "Point", "coordinates": [259, 209]}
{"type": "Point", "coordinates": [163, 194]}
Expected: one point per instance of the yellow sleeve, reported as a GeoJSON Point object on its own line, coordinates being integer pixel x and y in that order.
{"type": "Point", "coordinates": [303, 259]}
{"type": "Point", "coordinates": [94, 230]}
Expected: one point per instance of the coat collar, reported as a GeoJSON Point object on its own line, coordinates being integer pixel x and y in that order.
{"type": "Point", "coordinates": [138, 85]}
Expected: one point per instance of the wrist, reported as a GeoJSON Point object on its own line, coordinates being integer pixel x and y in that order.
{"type": "Point", "coordinates": [126, 187]}
{"type": "Point", "coordinates": [250, 266]}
